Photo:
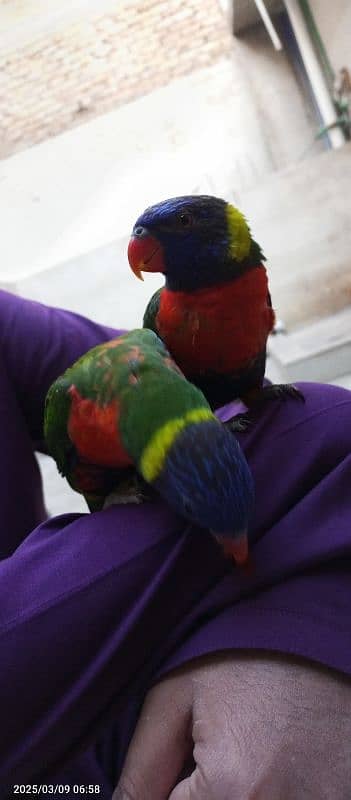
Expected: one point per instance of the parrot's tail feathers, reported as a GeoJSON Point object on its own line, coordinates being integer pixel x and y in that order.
{"type": "Point", "coordinates": [235, 548]}
{"type": "Point", "coordinates": [248, 568]}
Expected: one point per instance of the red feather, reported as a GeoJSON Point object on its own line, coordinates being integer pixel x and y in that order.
{"type": "Point", "coordinates": [94, 431]}
{"type": "Point", "coordinates": [220, 329]}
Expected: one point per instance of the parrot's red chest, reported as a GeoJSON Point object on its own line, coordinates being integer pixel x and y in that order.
{"type": "Point", "coordinates": [220, 329]}
{"type": "Point", "coordinates": [94, 431]}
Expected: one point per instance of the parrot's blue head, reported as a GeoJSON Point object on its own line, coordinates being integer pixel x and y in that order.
{"type": "Point", "coordinates": [196, 241]}
{"type": "Point", "coordinates": [206, 479]}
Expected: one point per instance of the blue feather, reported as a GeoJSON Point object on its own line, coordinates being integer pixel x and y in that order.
{"type": "Point", "coordinates": [207, 479]}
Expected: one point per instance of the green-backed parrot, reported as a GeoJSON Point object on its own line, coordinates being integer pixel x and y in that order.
{"type": "Point", "coordinates": [125, 406]}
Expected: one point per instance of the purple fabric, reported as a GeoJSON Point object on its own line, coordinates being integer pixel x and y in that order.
{"type": "Point", "coordinates": [96, 607]}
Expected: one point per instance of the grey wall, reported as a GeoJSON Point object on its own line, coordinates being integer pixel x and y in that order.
{"type": "Point", "coordinates": [334, 22]}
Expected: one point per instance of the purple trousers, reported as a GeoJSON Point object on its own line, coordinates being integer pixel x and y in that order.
{"type": "Point", "coordinates": [95, 608]}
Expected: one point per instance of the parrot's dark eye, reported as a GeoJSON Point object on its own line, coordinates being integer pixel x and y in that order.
{"type": "Point", "coordinates": [139, 231]}
{"type": "Point", "coordinates": [186, 219]}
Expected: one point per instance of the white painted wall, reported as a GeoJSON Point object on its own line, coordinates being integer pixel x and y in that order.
{"type": "Point", "coordinates": [334, 22]}
{"type": "Point", "coordinates": [21, 21]}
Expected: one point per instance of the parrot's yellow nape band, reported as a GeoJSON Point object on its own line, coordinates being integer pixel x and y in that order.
{"type": "Point", "coordinates": [155, 453]}
{"type": "Point", "coordinates": [239, 233]}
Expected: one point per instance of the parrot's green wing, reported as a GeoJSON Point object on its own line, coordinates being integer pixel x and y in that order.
{"type": "Point", "coordinates": [89, 479]}
{"type": "Point", "coordinates": [151, 311]}
{"type": "Point", "coordinates": [116, 411]}
{"type": "Point", "coordinates": [56, 413]}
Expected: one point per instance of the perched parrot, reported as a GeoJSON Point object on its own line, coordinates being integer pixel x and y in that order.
{"type": "Point", "coordinates": [124, 407]}
{"type": "Point", "coordinates": [214, 312]}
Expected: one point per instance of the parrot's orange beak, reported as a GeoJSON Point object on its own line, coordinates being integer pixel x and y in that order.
{"type": "Point", "coordinates": [145, 254]}
{"type": "Point", "coordinates": [237, 549]}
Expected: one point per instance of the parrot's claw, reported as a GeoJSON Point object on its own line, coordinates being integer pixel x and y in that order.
{"type": "Point", "coordinates": [238, 424]}
{"type": "Point", "coordinates": [279, 391]}
{"type": "Point", "coordinates": [127, 492]}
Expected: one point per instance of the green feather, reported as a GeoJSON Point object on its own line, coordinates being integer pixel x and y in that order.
{"type": "Point", "coordinates": [56, 414]}
{"type": "Point", "coordinates": [151, 311]}
{"type": "Point", "coordinates": [256, 255]}
{"type": "Point", "coordinates": [134, 370]}
{"type": "Point", "coordinates": [160, 392]}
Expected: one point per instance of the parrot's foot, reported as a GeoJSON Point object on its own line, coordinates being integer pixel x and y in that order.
{"type": "Point", "coordinates": [238, 424]}
{"type": "Point", "coordinates": [258, 399]}
{"type": "Point", "coordinates": [126, 492]}
{"type": "Point", "coordinates": [277, 391]}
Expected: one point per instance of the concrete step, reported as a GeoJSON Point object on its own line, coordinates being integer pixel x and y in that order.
{"type": "Point", "coordinates": [302, 219]}
{"type": "Point", "coordinates": [320, 351]}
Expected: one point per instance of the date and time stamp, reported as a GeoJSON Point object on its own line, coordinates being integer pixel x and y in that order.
{"type": "Point", "coordinates": [42, 789]}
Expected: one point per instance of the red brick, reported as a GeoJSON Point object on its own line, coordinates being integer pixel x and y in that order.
{"type": "Point", "coordinates": [58, 81]}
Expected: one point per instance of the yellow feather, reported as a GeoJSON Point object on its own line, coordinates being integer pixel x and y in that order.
{"type": "Point", "coordinates": [155, 452]}
{"type": "Point", "coordinates": [239, 233]}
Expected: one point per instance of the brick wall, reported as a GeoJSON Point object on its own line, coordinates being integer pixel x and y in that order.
{"type": "Point", "coordinates": [70, 75]}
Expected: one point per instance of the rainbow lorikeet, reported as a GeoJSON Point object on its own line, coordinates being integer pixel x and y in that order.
{"type": "Point", "coordinates": [214, 312]}
{"type": "Point", "coordinates": [125, 406]}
